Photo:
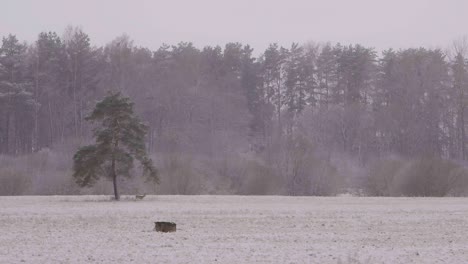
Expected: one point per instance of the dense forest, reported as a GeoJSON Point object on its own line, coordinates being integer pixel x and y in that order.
{"type": "Point", "coordinates": [312, 119]}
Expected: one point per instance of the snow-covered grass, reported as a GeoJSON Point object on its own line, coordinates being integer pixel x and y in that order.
{"type": "Point", "coordinates": [233, 229]}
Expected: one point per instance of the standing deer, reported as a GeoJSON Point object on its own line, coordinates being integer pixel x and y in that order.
{"type": "Point", "coordinates": [140, 196]}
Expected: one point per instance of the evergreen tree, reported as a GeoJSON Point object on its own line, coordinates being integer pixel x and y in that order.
{"type": "Point", "coordinates": [16, 100]}
{"type": "Point", "coordinates": [460, 84]}
{"type": "Point", "coordinates": [82, 67]}
{"type": "Point", "coordinates": [47, 63]}
{"type": "Point", "coordinates": [274, 78]}
{"type": "Point", "coordinates": [119, 140]}
{"type": "Point", "coordinates": [326, 74]}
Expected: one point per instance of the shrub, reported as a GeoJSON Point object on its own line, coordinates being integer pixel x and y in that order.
{"type": "Point", "coordinates": [382, 177]}
{"type": "Point", "coordinates": [13, 182]}
{"type": "Point", "coordinates": [432, 177]}
{"type": "Point", "coordinates": [420, 177]}
{"type": "Point", "coordinates": [261, 180]}
{"type": "Point", "coordinates": [179, 176]}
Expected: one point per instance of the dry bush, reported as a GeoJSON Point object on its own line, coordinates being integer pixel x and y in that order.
{"type": "Point", "coordinates": [421, 177]}
{"type": "Point", "coordinates": [433, 177]}
{"type": "Point", "coordinates": [458, 181]}
{"type": "Point", "coordinates": [261, 180]}
{"type": "Point", "coordinates": [14, 178]}
{"type": "Point", "coordinates": [382, 178]}
{"type": "Point", "coordinates": [302, 169]}
{"type": "Point", "coordinates": [310, 173]}
{"type": "Point", "coordinates": [13, 182]}
{"type": "Point", "coordinates": [179, 176]}
{"type": "Point", "coordinates": [325, 179]}
{"type": "Point", "coordinates": [51, 173]}
{"type": "Point", "coordinates": [41, 173]}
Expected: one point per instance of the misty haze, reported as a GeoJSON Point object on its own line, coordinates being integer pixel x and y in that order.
{"type": "Point", "coordinates": [300, 132]}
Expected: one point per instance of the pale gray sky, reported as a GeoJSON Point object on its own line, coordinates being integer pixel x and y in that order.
{"type": "Point", "coordinates": [375, 23]}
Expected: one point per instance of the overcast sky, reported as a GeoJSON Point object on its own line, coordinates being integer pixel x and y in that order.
{"type": "Point", "coordinates": [375, 23]}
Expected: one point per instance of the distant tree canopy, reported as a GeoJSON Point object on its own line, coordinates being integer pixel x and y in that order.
{"type": "Point", "coordinates": [217, 102]}
{"type": "Point", "coordinates": [119, 140]}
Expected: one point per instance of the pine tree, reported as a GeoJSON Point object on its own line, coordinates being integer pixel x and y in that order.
{"type": "Point", "coordinates": [16, 100]}
{"type": "Point", "coordinates": [48, 64]}
{"type": "Point", "coordinates": [460, 84]}
{"type": "Point", "coordinates": [119, 140]}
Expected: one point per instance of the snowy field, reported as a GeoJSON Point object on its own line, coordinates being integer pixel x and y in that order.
{"type": "Point", "coordinates": [233, 229]}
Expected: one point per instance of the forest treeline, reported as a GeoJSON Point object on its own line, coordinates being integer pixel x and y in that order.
{"type": "Point", "coordinates": [312, 119]}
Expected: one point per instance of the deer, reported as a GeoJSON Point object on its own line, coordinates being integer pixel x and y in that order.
{"type": "Point", "coordinates": [140, 196]}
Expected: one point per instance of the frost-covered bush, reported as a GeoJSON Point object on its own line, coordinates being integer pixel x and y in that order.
{"type": "Point", "coordinates": [42, 173]}
{"type": "Point", "coordinates": [420, 177]}
{"type": "Point", "coordinates": [179, 175]}
{"type": "Point", "coordinates": [433, 177]}
{"type": "Point", "coordinates": [383, 177]}
{"type": "Point", "coordinates": [13, 182]}
{"type": "Point", "coordinates": [301, 168]}
{"type": "Point", "coordinates": [261, 179]}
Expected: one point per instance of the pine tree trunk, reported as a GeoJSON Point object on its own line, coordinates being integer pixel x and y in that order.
{"type": "Point", "coordinates": [116, 192]}
{"type": "Point", "coordinates": [35, 135]}
{"type": "Point", "coordinates": [52, 132]}
{"type": "Point", "coordinates": [7, 134]}
{"type": "Point", "coordinates": [75, 107]}
{"type": "Point", "coordinates": [114, 180]}
{"type": "Point", "coordinates": [462, 126]}
{"type": "Point", "coordinates": [278, 109]}
{"type": "Point", "coordinates": [114, 174]}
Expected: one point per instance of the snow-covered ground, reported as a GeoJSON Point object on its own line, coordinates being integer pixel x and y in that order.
{"type": "Point", "coordinates": [233, 229]}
